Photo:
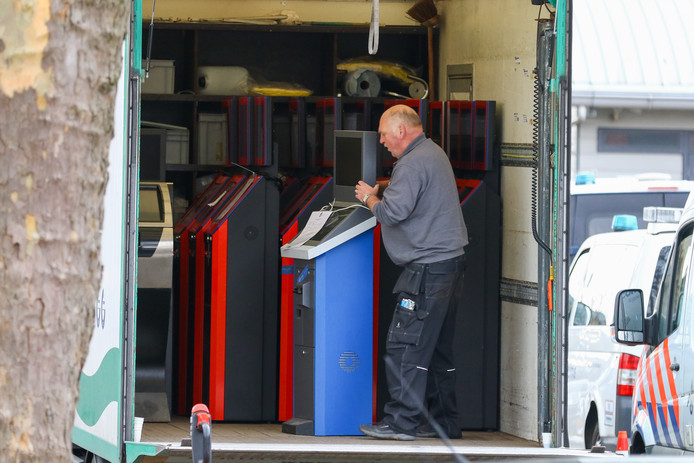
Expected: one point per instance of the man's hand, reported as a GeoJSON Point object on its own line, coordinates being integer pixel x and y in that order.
{"type": "Point", "coordinates": [382, 185]}
{"type": "Point", "coordinates": [362, 189]}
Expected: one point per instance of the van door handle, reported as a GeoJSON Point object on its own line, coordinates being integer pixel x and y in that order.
{"type": "Point", "coordinates": [675, 367]}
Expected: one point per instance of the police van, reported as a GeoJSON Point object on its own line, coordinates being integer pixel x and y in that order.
{"type": "Point", "coordinates": [600, 374]}
{"type": "Point", "coordinates": [662, 415]}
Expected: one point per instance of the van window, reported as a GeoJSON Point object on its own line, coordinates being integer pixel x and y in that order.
{"type": "Point", "coordinates": [657, 278]}
{"type": "Point", "coordinates": [576, 280]}
{"type": "Point", "coordinates": [672, 294]}
{"type": "Point", "coordinates": [601, 272]}
{"type": "Point", "coordinates": [577, 275]}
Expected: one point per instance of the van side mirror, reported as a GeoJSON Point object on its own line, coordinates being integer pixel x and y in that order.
{"type": "Point", "coordinates": [628, 317]}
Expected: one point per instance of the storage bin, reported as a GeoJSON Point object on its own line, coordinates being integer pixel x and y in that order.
{"type": "Point", "coordinates": [177, 141]}
{"type": "Point", "coordinates": [177, 146]}
{"type": "Point", "coordinates": [212, 140]}
{"type": "Point", "coordinates": [161, 76]}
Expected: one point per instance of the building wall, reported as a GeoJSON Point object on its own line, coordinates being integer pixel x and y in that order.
{"type": "Point", "coordinates": [586, 157]}
{"type": "Point", "coordinates": [498, 38]}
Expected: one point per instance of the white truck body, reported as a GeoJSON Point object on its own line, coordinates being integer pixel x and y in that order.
{"type": "Point", "coordinates": [502, 46]}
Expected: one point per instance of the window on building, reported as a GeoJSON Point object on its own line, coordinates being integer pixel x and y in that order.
{"type": "Point", "coordinates": [639, 141]}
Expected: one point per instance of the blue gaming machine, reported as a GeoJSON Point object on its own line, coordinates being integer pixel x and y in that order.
{"type": "Point", "coordinates": [333, 303]}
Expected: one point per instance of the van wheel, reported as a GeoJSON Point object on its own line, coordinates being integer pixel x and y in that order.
{"type": "Point", "coordinates": [637, 446]}
{"type": "Point", "coordinates": [592, 433]}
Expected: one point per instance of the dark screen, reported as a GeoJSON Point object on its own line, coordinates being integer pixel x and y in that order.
{"type": "Point", "coordinates": [151, 209]}
{"type": "Point", "coordinates": [152, 154]}
{"type": "Point", "coordinates": [347, 160]}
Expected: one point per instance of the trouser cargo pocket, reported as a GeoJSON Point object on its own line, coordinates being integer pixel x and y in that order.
{"type": "Point", "coordinates": [406, 325]}
{"type": "Point", "coordinates": [408, 319]}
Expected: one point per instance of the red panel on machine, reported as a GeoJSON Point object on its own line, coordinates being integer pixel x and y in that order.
{"type": "Point", "coordinates": [302, 202]}
{"type": "Point", "coordinates": [262, 131]}
{"type": "Point", "coordinates": [483, 134]}
{"type": "Point", "coordinates": [466, 187]}
{"type": "Point", "coordinates": [245, 130]}
{"type": "Point", "coordinates": [218, 325]}
{"type": "Point", "coordinates": [458, 141]}
{"type": "Point", "coordinates": [436, 122]}
{"type": "Point", "coordinates": [286, 373]}
{"type": "Point", "coordinates": [231, 105]}
{"type": "Point", "coordinates": [214, 250]}
{"type": "Point", "coordinates": [181, 303]}
{"type": "Point", "coordinates": [195, 281]}
{"type": "Point", "coordinates": [328, 119]}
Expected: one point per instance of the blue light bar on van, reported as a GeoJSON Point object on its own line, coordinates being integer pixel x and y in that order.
{"type": "Point", "coordinates": [623, 222]}
{"type": "Point", "coordinates": [662, 214]}
{"type": "Point", "coordinates": [585, 178]}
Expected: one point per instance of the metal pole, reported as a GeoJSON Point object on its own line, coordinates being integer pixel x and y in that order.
{"type": "Point", "coordinates": [544, 199]}
{"type": "Point", "coordinates": [131, 207]}
{"type": "Point", "coordinates": [564, 32]}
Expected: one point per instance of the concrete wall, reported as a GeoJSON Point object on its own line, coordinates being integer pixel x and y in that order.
{"type": "Point", "coordinates": [498, 39]}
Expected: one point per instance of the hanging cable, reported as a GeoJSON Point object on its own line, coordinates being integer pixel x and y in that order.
{"type": "Point", "coordinates": [536, 150]}
{"type": "Point", "coordinates": [149, 42]}
{"type": "Point", "coordinates": [539, 89]}
{"type": "Point", "coordinates": [373, 29]}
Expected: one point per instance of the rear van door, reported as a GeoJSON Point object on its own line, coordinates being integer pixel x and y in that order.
{"type": "Point", "coordinates": [598, 272]}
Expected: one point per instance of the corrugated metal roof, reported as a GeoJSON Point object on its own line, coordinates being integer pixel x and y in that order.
{"type": "Point", "coordinates": [633, 53]}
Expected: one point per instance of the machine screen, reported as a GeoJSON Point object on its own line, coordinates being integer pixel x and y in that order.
{"type": "Point", "coordinates": [348, 169]}
{"type": "Point", "coordinates": [334, 220]}
{"type": "Point", "coordinates": [151, 205]}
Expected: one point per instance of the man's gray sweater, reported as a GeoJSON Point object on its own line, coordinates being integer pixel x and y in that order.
{"type": "Point", "coordinates": [420, 215]}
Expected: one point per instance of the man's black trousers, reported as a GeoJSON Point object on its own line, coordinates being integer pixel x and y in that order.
{"type": "Point", "coordinates": [420, 369]}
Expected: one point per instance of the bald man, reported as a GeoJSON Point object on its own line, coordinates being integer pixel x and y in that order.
{"type": "Point", "coordinates": [424, 232]}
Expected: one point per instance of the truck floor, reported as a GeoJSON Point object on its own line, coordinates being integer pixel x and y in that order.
{"type": "Point", "coordinates": [242, 442]}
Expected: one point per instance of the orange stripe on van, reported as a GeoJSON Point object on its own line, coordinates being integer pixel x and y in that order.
{"type": "Point", "coordinates": [651, 390]}
{"type": "Point", "coordinates": [642, 394]}
{"type": "Point", "coordinates": [671, 380]}
{"type": "Point", "coordinates": [661, 386]}
{"type": "Point", "coordinates": [641, 369]}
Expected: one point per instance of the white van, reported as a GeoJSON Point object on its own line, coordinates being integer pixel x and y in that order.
{"type": "Point", "coordinates": [601, 372]}
{"type": "Point", "coordinates": [663, 402]}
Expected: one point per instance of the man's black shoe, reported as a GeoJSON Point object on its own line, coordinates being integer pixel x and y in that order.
{"type": "Point", "coordinates": [383, 431]}
{"type": "Point", "coordinates": [427, 431]}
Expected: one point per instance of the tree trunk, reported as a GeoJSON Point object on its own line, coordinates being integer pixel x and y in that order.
{"type": "Point", "coordinates": [59, 66]}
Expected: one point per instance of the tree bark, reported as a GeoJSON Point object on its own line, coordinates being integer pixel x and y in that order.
{"type": "Point", "coordinates": [59, 66]}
